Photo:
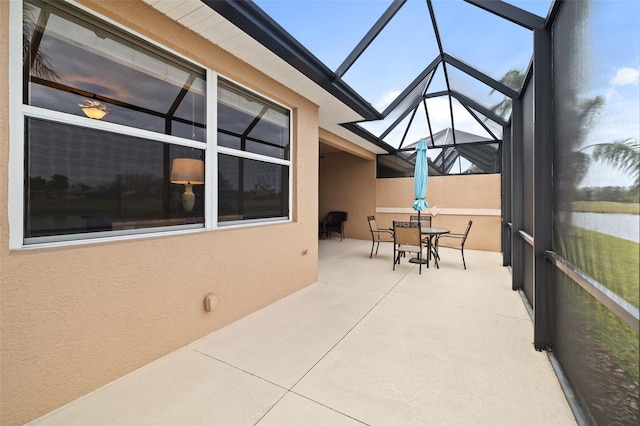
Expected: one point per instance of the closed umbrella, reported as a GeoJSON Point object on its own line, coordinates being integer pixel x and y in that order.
{"type": "Point", "coordinates": [420, 177]}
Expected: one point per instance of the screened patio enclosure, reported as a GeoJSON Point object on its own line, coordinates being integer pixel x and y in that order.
{"type": "Point", "coordinates": [418, 91]}
{"type": "Point", "coordinates": [551, 90]}
{"type": "Point", "coordinates": [450, 149]}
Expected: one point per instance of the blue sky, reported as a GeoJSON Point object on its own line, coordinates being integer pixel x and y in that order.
{"type": "Point", "coordinates": [330, 29]}
{"type": "Point", "coordinates": [613, 58]}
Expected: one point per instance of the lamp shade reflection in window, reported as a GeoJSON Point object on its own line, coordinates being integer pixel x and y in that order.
{"type": "Point", "coordinates": [188, 172]}
{"type": "Point", "coordinates": [94, 109]}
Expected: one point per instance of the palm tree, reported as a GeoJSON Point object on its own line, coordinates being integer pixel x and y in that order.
{"type": "Point", "coordinates": [585, 113]}
{"type": "Point", "coordinates": [37, 60]}
{"type": "Point", "coordinates": [623, 154]}
{"type": "Point", "coordinates": [515, 79]}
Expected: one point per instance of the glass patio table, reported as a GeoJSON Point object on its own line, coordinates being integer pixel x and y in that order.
{"type": "Point", "coordinates": [432, 234]}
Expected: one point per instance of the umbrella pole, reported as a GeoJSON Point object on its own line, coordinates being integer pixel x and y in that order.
{"type": "Point", "coordinates": [420, 259]}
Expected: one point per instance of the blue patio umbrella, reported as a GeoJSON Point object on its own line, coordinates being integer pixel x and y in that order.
{"type": "Point", "coordinates": [420, 177]}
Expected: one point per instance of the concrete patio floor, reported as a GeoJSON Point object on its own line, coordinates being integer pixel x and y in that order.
{"type": "Point", "coordinates": [363, 345]}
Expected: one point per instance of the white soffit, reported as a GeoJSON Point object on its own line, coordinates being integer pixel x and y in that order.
{"type": "Point", "coordinates": [199, 18]}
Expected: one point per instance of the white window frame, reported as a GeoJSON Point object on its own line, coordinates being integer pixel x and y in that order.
{"type": "Point", "coordinates": [252, 156]}
{"type": "Point", "coordinates": [16, 169]}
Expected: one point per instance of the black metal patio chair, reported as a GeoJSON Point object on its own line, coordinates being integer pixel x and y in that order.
{"type": "Point", "coordinates": [334, 222]}
{"type": "Point", "coordinates": [407, 239]}
{"type": "Point", "coordinates": [378, 235]}
{"type": "Point", "coordinates": [455, 241]}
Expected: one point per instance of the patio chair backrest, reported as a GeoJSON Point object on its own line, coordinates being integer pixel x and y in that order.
{"type": "Point", "coordinates": [372, 223]}
{"type": "Point", "coordinates": [425, 220]}
{"type": "Point", "coordinates": [407, 233]}
{"type": "Point", "coordinates": [336, 218]}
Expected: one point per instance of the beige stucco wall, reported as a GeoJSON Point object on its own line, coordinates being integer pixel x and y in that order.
{"type": "Point", "coordinates": [74, 318]}
{"type": "Point", "coordinates": [458, 199]}
{"type": "Point", "coordinates": [347, 183]}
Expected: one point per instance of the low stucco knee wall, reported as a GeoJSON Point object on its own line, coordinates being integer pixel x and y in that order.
{"type": "Point", "coordinates": [453, 201]}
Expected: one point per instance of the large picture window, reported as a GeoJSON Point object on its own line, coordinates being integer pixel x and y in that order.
{"type": "Point", "coordinates": [111, 122]}
{"type": "Point", "coordinates": [115, 138]}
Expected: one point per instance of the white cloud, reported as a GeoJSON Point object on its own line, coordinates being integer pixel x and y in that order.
{"type": "Point", "coordinates": [618, 119]}
{"type": "Point", "coordinates": [386, 99]}
{"type": "Point", "coordinates": [625, 76]}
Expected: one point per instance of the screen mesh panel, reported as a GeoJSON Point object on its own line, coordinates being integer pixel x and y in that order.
{"type": "Point", "coordinates": [596, 116]}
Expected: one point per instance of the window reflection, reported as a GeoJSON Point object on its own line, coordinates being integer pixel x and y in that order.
{"type": "Point", "coordinates": [251, 124]}
{"type": "Point", "coordinates": [250, 189]}
{"type": "Point", "coordinates": [81, 180]}
{"type": "Point", "coordinates": [70, 61]}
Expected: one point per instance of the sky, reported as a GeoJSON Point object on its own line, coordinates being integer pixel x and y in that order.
{"type": "Point", "coordinates": [330, 29]}
{"type": "Point", "coordinates": [613, 61]}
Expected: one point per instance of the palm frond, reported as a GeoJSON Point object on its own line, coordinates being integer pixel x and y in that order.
{"type": "Point", "coordinates": [513, 78]}
{"type": "Point", "coordinates": [40, 63]}
{"type": "Point", "coordinates": [623, 154]}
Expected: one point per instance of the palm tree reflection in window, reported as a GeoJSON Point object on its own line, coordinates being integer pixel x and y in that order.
{"type": "Point", "coordinates": [34, 58]}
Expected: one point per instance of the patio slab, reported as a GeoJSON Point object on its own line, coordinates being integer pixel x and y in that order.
{"type": "Point", "coordinates": [363, 345]}
{"type": "Point", "coordinates": [181, 388]}
{"type": "Point", "coordinates": [283, 341]}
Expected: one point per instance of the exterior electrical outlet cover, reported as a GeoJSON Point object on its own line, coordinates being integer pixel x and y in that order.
{"type": "Point", "coordinates": [210, 302]}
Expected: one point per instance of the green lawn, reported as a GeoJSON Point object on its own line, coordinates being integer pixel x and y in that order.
{"type": "Point", "coordinates": [612, 261]}
{"type": "Point", "coordinates": [606, 207]}
{"type": "Point", "coordinates": [615, 263]}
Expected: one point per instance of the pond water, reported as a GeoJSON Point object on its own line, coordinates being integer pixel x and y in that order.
{"type": "Point", "coordinates": [626, 226]}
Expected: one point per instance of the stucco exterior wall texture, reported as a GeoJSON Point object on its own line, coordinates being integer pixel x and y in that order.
{"type": "Point", "coordinates": [348, 183]}
{"type": "Point", "coordinates": [76, 317]}
{"type": "Point", "coordinates": [474, 195]}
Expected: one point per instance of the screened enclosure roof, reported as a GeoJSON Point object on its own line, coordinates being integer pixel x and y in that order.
{"type": "Point", "coordinates": [481, 155]}
{"type": "Point", "coordinates": [384, 73]}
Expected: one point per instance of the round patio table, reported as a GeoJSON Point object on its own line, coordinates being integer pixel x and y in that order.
{"type": "Point", "coordinates": [431, 233]}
